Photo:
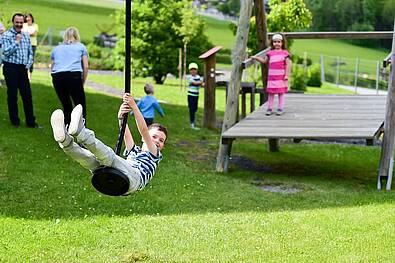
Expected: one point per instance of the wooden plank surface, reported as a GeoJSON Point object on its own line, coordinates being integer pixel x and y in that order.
{"type": "Point", "coordinates": [315, 116]}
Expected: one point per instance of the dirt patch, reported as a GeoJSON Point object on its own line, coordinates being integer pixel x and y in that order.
{"type": "Point", "coordinates": [283, 189]}
{"type": "Point", "coordinates": [244, 163]}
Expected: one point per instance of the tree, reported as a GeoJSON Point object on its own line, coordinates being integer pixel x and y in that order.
{"type": "Point", "coordinates": [283, 17]}
{"type": "Point", "coordinates": [155, 40]}
{"type": "Point", "coordinates": [189, 28]}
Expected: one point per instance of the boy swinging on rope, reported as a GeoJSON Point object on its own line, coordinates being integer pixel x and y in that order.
{"type": "Point", "coordinates": [140, 163]}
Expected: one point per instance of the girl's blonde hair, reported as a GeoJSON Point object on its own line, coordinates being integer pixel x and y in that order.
{"type": "Point", "coordinates": [284, 46]}
{"type": "Point", "coordinates": [71, 35]}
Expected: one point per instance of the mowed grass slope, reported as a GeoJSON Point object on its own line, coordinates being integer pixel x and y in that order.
{"type": "Point", "coordinates": [50, 213]}
{"type": "Point", "coordinates": [59, 15]}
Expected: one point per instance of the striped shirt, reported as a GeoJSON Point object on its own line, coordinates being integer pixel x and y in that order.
{"type": "Point", "coordinates": [17, 53]}
{"type": "Point", "coordinates": [192, 89]}
{"type": "Point", "coordinates": [145, 162]}
{"type": "Point", "coordinates": [277, 67]}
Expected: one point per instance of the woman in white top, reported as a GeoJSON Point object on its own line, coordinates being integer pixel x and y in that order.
{"type": "Point", "coordinates": [32, 28]}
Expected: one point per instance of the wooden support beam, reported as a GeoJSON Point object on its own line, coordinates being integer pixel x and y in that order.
{"type": "Point", "coordinates": [261, 30]}
{"type": "Point", "coordinates": [232, 101]}
{"type": "Point", "coordinates": [387, 149]}
{"type": "Point", "coordinates": [273, 145]}
{"type": "Point", "coordinates": [225, 148]}
{"type": "Point", "coordinates": [338, 35]}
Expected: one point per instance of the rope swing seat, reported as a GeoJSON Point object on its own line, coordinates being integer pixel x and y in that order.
{"type": "Point", "coordinates": [108, 180]}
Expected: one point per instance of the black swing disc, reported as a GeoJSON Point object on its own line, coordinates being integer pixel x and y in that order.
{"type": "Point", "coordinates": [110, 181]}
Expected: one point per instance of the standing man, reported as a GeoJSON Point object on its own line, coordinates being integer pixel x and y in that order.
{"type": "Point", "coordinates": [17, 59]}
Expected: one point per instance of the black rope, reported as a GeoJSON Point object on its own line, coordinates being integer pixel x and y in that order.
{"type": "Point", "coordinates": [128, 21]}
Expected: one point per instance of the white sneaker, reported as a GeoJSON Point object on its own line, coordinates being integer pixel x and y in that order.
{"type": "Point", "coordinates": [77, 121]}
{"type": "Point", "coordinates": [58, 128]}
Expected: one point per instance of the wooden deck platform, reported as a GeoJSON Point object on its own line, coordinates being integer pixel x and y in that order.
{"type": "Point", "coordinates": [315, 117]}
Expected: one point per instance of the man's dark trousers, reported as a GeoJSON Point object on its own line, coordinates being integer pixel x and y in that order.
{"type": "Point", "coordinates": [16, 78]}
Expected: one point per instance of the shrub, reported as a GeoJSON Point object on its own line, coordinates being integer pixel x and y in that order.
{"type": "Point", "coordinates": [298, 80]}
{"type": "Point", "coordinates": [94, 50]}
{"type": "Point", "coordinates": [314, 73]}
{"type": "Point", "coordinates": [223, 58]}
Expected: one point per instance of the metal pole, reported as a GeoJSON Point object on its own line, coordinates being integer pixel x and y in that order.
{"type": "Point", "coordinates": [128, 29]}
{"type": "Point", "coordinates": [322, 68]}
{"type": "Point", "coordinates": [356, 74]}
{"type": "Point", "coordinates": [337, 71]}
{"type": "Point", "coordinates": [377, 77]}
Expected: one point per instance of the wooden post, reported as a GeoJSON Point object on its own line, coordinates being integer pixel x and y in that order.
{"type": "Point", "coordinates": [356, 75]}
{"type": "Point", "coordinates": [209, 118]}
{"type": "Point", "coordinates": [185, 66]}
{"type": "Point", "coordinates": [322, 68]}
{"type": "Point", "coordinates": [387, 149]}
{"type": "Point", "coordinates": [273, 145]}
{"type": "Point", "coordinates": [261, 30]}
{"type": "Point", "coordinates": [180, 68]}
{"type": "Point", "coordinates": [232, 101]}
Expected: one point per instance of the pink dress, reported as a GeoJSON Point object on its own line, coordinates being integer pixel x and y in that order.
{"type": "Point", "coordinates": [277, 66]}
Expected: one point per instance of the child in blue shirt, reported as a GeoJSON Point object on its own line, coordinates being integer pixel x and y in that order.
{"type": "Point", "coordinates": [148, 104]}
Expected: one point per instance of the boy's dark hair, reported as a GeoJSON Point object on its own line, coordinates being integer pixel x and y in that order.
{"type": "Point", "coordinates": [17, 14]}
{"type": "Point", "coordinates": [148, 88]}
{"type": "Point", "coordinates": [160, 127]}
{"type": "Point", "coordinates": [284, 46]}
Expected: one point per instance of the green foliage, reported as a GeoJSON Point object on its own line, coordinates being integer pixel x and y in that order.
{"type": "Point", "coordinates": [314, 74]}
{"type": "Point", "coordinates": [298, 78]}
{"type": "Point", "coordinates": [343, 15]}
{"type": "Point", "coordinates": [224, 58]}
{"type": "Point", "coordinates": [158, 33]}
{"type": "Point", "coordinates": [286, 16]}
{"type": "Point", "coordinates": [230, 7]}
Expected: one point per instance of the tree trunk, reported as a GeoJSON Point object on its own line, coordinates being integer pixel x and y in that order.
{"type": "Point", "coordinates": [261, 31]}
{"type": "Point", "coordinates": [232, 101]}
{"type": "Point", "coordinates": [159, 78]}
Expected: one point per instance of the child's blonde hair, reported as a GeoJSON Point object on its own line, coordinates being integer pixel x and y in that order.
{"type": "Point", "coordinates": [71, 35]}
{"type": "Point", "coordinates": [284, 41]}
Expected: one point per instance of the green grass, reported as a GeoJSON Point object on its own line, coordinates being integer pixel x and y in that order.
{"type": "Point", "coordinates": [188, 213]}
{"type": "Point", "coordinates": [328, 88]}
{"type": "Point", "coordinates": [59, 15]}
{"type": "Point", "coordinates": [348, 53]}
{"type": "Point", "coordinates": [219, 32]}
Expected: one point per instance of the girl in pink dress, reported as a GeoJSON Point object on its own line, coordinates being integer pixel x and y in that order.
{"type": "Point", "coordinates": [279, 71]}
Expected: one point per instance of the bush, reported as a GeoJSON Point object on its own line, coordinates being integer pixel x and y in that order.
{"type": "Point", "coordinates": [100, 57]}
{"type": "Point", "coordinates": [314, 73]}
{"type": "Point", "coordinates": [298, 80]}
{"type": "Point", "coordinates": [224, 58]}
{"type": "Point", "coordinates": [300, 61]}
{"type": "Point", "coordinates": [94, 50]}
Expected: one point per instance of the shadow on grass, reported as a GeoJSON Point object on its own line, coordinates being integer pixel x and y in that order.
{"type": "Point", "coordinates": [37, 180]}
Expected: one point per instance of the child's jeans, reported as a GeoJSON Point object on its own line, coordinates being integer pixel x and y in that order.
{"type": "Point", "coordinates": [100, 154]}
{"type": "Point", "coordinates": [193, 106]}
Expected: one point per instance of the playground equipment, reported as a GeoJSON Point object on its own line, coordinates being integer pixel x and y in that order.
{"type": "Point", "coordinates": [108, 180]}
{"type": "Point", "coordinates": [254, 125]}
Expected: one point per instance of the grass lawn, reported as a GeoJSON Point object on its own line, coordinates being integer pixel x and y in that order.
{"type": "Point", "coordinates": [59, 15]}
{"type": "Point", "coordinates": [219, 32]}
{"type": "Point", "coordinates": [188, 213]}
